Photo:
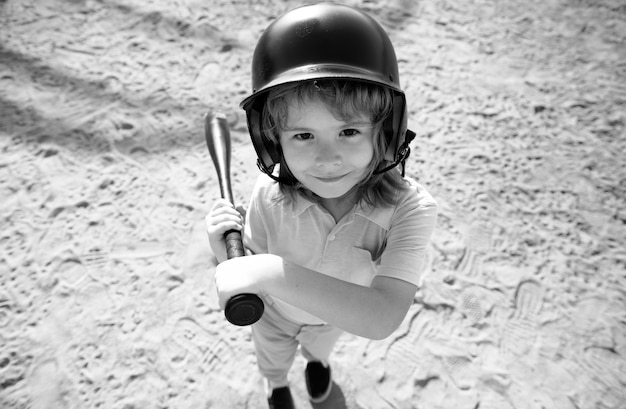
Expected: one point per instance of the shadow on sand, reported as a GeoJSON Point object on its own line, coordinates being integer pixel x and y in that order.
{"type": "Point", "coordinates": [336, 400]}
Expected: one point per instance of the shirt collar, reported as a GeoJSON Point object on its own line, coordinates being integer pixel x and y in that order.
{"type": "Point", "coordinates": [379, 215]}
{"type": "Point", "coordinates": [301, 204]}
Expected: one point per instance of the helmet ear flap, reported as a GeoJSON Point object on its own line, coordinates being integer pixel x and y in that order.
{"type": "Point", "coordinates": [394, 127]}
{"type": "Point", "coordinates": [268, 151]}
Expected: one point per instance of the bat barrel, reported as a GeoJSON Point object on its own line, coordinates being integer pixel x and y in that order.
{"type": "Point", "coordinates": [217, 135]}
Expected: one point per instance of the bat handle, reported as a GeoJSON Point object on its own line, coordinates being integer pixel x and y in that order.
{"type": "Point", "coordinates": [234, 244]}
{"type": "Point", "coordinates": [242, 309]}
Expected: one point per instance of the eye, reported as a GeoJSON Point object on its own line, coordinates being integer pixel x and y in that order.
{"type": "Point", "coordinates": [350, 132]}
{"type": "Point", "coordinates": [303, 136]}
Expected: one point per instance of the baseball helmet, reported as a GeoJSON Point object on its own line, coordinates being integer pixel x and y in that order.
{"type": "Point", "coordinates": [325, 41]}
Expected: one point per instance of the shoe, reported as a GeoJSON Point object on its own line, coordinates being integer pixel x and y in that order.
{"type": "Point", "coordinates": [319, 381]}
{"type": "Point", "coordinates": [281, 399]}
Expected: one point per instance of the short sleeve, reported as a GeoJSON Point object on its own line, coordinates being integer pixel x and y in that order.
{"type": "Point", "coordinates": [255, 232]}
{"type": "Point", "coordinates": [412, 225]}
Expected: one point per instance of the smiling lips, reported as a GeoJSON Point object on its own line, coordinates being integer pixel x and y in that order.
{"type": "Point", "coordinates": [329, 179]}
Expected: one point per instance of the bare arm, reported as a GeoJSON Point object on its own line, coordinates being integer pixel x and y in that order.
{"type": "Point", "coordinates": [373, 312]}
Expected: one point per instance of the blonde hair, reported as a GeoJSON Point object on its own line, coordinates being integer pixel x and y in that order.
{"type": "Point", "coordinates": [345, 99]}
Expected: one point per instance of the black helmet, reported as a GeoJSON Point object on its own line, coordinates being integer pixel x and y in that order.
{"type": "Point", "coordinates": [322, 41]}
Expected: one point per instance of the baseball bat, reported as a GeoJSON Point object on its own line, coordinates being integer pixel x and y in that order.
{"type": "Point", "coordinates": [242, 309]}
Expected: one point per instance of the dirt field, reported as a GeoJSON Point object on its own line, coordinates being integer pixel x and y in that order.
{"type": "Point", "coordinates": [106, 294]}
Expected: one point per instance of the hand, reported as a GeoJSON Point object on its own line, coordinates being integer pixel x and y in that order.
{"type": "Point", "coordinates": [250, 274]}
{"type": "Point", "coordinates": [222, 217]}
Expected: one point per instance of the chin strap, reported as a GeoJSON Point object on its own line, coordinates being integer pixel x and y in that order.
{"type": "Point", "coordinates": [401, 156]}
{"type": "Point", "coordinates": [267, 171]}
{"type": "Point", "coordinates": [270, 172]}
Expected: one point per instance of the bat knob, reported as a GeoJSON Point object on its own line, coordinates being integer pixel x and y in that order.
{"type": "Point", "coordinates": [244, 309]}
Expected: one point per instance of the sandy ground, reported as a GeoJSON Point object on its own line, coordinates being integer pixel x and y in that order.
{"type": "Point", "coordinates": [106, 295]}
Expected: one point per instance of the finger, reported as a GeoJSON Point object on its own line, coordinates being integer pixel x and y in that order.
{"type": "Point", "coordinates": [216, 233]}
{"type": "Point", "coordinates": [221, 203]}
{"type": "Point", "coordinates": [215, 221]}
{"type": "Point", "coordinates": [242, 211]}
{"type": "Point", "coordinates": [225, 210]}
{"type": "Point", "coordinates": [221, 210]}
{"type": "Point", "coordinates": [224, 227]}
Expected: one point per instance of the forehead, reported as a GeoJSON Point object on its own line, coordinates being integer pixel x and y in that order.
{"type": "Point", "coordinates": [313, 107]}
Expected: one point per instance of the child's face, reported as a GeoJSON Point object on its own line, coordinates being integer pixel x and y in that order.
{"type": "Point", "coordinates": [327, 155]}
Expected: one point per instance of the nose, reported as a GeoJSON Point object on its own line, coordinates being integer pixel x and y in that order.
{"type": "Point", "coordinates": [327, 156]}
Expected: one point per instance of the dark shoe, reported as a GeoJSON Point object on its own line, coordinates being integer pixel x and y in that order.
{"type": "Point", "coordinates": [319, 381]}
{"type": "Point", "coordinates": [281, 399]}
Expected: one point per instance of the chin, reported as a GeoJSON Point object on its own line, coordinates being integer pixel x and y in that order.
{"type": "Point", "coordinates": [333, 193]}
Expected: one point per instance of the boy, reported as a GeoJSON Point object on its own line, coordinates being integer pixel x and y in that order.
{"type": "Point", "coordinates": [336, 234]}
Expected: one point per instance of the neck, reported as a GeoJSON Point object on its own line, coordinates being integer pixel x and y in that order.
{"type": "Point", "coordinates": [338, 207]}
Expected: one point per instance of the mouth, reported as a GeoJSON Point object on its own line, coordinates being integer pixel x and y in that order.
{"type": "Point", "coordinates": [329, 179]}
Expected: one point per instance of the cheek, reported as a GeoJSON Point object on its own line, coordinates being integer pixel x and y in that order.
{"type": "Point", "coordinates": [296, 159]}
{"type": "Point", "coordinates": [363, 156]}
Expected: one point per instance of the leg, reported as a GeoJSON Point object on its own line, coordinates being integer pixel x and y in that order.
{"type": "Point", "coordinates": [275, 342]}
{"type": "Point", "coordinates": [318, 341]}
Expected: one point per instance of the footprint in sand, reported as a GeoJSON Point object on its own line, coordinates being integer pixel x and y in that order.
{"type": "Point", "coordinates": [589, 391]}
{"type": "Point", "coordinates": [95, 259]}
{"type": "Point", "coordinates": [471, 264]}
{"type": "Point", "coordinates": [478, 242]}
{"type": "Point", "coordinates": [607, 367]}
{"type": "Point", "coordinates": [196, 340]}
{"type": "Point", "coordinates": [407, 352]}
{"type": "Point", "coordinates": [216, 355]}
{"type": "Point", "coordinates": [477, 302]}
{"type": "Point", "coordinates": [520, 332]}
{"type": "Point", "coordinates": [479, 237]}
{"type": "Point", "coordinates": [470, 304]}
{"type": "Point", "coordinates": [96, 359]}
{"type": "Point", "coordinates": [461, 370]}
{"type": "Point", "coordinates": [69, 271]}
{"type": "Point", "coordinates": [438, 289]}
{"type": "Point", "coordinates": [45, 382]}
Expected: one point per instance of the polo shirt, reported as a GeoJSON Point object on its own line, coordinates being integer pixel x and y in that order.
{"type": "Point", "coordinates": [367, 242]}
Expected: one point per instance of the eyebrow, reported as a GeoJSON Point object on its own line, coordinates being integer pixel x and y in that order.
{"type": "Point", "coordinates": [346, 125]}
